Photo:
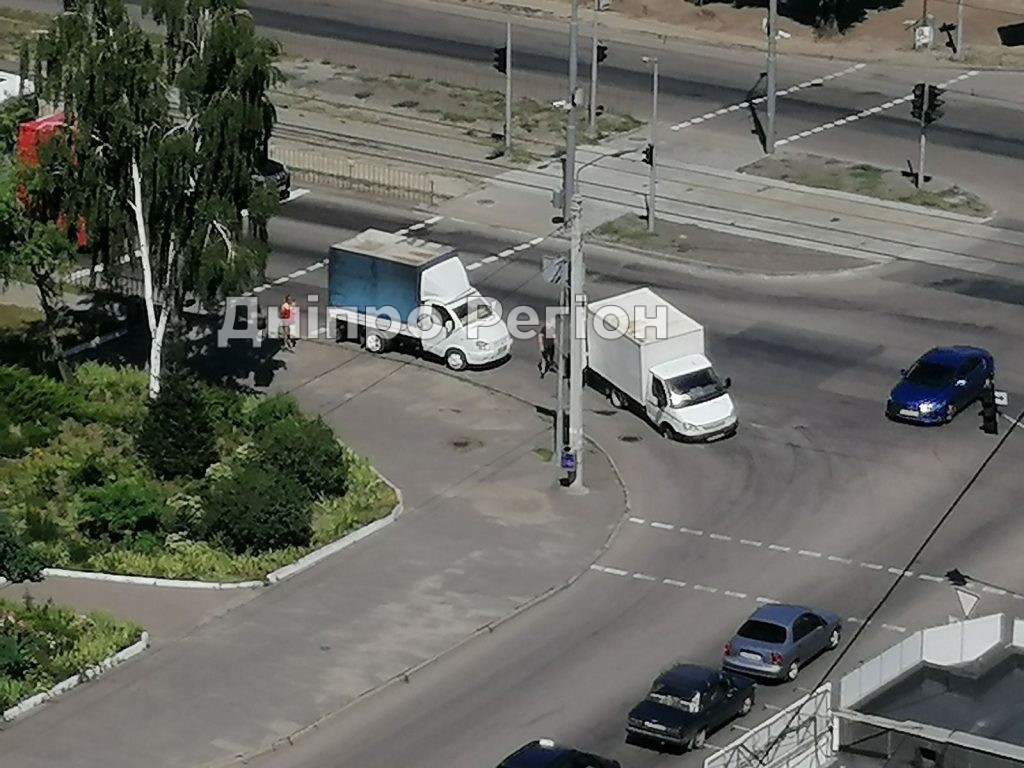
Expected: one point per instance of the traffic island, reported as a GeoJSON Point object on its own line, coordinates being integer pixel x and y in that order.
{"type": "Point", "coordinates": [869, 181]}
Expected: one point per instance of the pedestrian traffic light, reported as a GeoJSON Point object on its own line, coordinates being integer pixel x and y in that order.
{"type": "Point", "coordinates": [602, 52]}
{"type": "Point", "coordinates": [989, 415]}
{"type": "Point", "coordinates": [935, 104]}
{"type": "Point", "coordinates": [500, 55]}
{"type": "Point", "coordinates": [649, 154]}
{"type": "Point", "coordinates": [917, 105]}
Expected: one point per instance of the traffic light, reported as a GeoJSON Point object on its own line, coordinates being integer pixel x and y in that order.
{"type": "Point", "coordinates": [649, 154]}
{"type": "Point", "coordinates": [602, 52]}
{"type": "Point", "coordinates": [500, 55]}
{"type": "Point", "coordinates": [935, 104]}
{"type": "Point", "coordinates": [989, 415]}
{"type": "Point", "coordinates": [599, 110]}
{"type": "Point", "coordinates": [917, 105]}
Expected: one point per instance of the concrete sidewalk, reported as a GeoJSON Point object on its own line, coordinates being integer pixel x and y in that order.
{"type": "Point", "coordinates": [486, 530]}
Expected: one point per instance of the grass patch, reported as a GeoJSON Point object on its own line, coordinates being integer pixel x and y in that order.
{"type": "Point", "coordinates": [23, 334]}
{"type": "Point", "coordinates": [631, 230]}
{"type": "Point", "coordinates": [76, 479]}
{"type": "Point", "coordinates": [544, 454]}
{"type": "Point", "coordinates": [15, 26]}
{"type": "Point", "coordinates": [44, 644]}
{"type": "Point", "coordinates": [867, 180]}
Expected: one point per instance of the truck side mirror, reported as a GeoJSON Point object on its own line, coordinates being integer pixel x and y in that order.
{"type": "Point", "coordinates": [727, 382]}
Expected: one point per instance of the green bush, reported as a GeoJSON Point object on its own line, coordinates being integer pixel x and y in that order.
{"type": "Point", "coordinates": [369, 498]}
{"type": "Point", "coordinates": [184, 559]}
{"type": "Point", "coordinates": [115, 396]}
{"type": "Point", "coordinates": [255, 510]}
{"type": "Point", "coordinates": [306, 451]}
{"type": "Point", "coordinates": [42, 645]}
{"type": "Point", "coordinates": [121, 510]}
{"type": "Point", "coordinates": [271, 410]}
{"type": "Point", "coordinates": [18, 562]}
{"type": "Point", "coordinates": [177, 438]}
{"type": "Point", "coordinates": [28, 398]}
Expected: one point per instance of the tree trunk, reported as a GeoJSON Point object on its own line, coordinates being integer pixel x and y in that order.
{"type": "Point", "coordinates": [53, 310]}
{"type": "Point", "coordinates": [156, 354]}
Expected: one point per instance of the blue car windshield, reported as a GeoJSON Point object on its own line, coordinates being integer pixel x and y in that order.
{"type": "Point", "coordinates": [930, 374]}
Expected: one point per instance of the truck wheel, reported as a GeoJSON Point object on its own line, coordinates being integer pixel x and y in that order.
{"type": "Point", "coordinates": [615, 398]}
{"type": "Point", "coordinates": [375, 343]}
{"type": "Point", "coordinates": [668, 433]}
{"type": "Point", "coordinates": [455, 360]}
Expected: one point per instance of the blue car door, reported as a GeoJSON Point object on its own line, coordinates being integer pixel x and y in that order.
{"type": "Point", "coordinates": [974, 374]}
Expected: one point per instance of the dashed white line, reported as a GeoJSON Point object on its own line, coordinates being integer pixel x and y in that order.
{"type": "Point", "coordinates": [506, 252]}
{"type": "Point", "coordinates": [298, 273]}
{"type": "Point", "coordinates": [843, 560]}
{"type": "Point", "coordinates": [894, 628]}
{"type": "Point", "coordinates": [260, 289]}
{"type": "Point", "coordinates": [779, 548]}
{"type": "Point", "coordinates": [537, 240]}
{"type": "Point", "coordinates": [766, 600]}
{"type": "Point", "coordinates": [809, 553]}
{"type": "Point", "coordinates": [786, 92]}
{"type": "Point", "coordinates": [643, 577]}
{"type": "Point", "coordinates": [928, 577]}
{"type": "Point", "coordinates": [673, 582]}
{"type": "Point", "coordinates": [872, 566]}
{"type": "Point", "coordinates": [750, 542]}
{"type": "Point", "coordinates": [433, 220]}
{"type": "Point", "coordinates": [521, 247]}
{"type": "Point", "coordinates": [691, 531]}
{"type": "Point", "coordinates": [719, 537]}
{"type": "Point", "coordinates": [663, 526]}
{"type": "Point", "coordinates": [900, 572]}
{"type": "Point", "coordinates": [612, 571]}
{"type": "Point", "coordinates": [993, 590]}
{"type": "Point", "coordinates": [871, 111]}
{"type": "Point", "coordinates": [638, 520]}
{"type": "Point", "coordinates": [740, 595]}
{"type": "Point", "coordinates": [471, 267]}
{"type": "Point", "coordinates": [489, 260]}
{"type": "Point", "coordinates": [282, 280]}
{"type": "Point", "coordinates": [702, 588]}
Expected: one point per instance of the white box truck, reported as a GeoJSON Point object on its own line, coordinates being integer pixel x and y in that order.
{"type": "Point", "coordinates": [656, 364]}
{"type": "Point", "coordinates": [393, 289]}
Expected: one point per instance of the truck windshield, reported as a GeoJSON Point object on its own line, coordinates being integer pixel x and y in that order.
{"type": "Point", "coordinates": [472, 311]}
{"type": "Point", "coordinates": [696, 387]}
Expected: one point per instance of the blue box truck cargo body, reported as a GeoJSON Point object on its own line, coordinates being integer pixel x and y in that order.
{"type": "Point", "coordinates": [380, 269]}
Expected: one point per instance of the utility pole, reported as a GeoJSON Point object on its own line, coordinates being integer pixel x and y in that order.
{"type": "Point", "coordinates": [593, 73]}
{"type": "Point", "coordinates": [924, 122]}
{"type": "Point", "coordinates": [508, 86]}
{"type": "Point", "coordinates": [560, 347]}
{"type": "Point", "coordinates": [773, 36]}
{"type": "Point", "coordinates": [653, 182]}
{"type": "Point", "coordinates": [570, 134]}
{"type": "Point", "coordinates": [959, 55]}
{"type": "Point", "coordinates": [577, 341]}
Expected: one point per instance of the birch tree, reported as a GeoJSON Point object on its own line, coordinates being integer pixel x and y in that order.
{"type": "Point", "coordinates": [166, 138]}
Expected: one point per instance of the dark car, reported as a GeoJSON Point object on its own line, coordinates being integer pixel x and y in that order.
{"type": "Point", "coordinates": [943, 382]}
{"type": "Point", "coordinates": [276, 175]}
{"type": "Point", "coordinates": [777, 639]}
{"type": "Point", "coordinates": [544, 753]}
{"type": "Point", "coordinates": [688, 702]}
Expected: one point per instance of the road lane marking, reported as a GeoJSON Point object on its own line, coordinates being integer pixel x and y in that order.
{"type": "Point", "coordinates": [719, 537]}
{"type": "Point", "coordinates": [750, 543]}
{"type": "Point", "coordinates": [702, 588]}
{"type": "Point", "coordinates": [663, 526]}
{"type": "Point", "coordinates": [871, 111]}
{"type": "Point", "coordinates": [818, 81]}
{"type": "Point", "coordinates": [643, 577]}
{"type": "Point", "coordinates": [900, 572]}
{"type": "Point", "coordinates": [691, 531]}
{"type": "Point", "coordinates": [894, 628]}
{"type": "Point", "coordinates": [612, 571]}
{"type": "Point", "coordinates": [673, 582]}
{"type": "Point", "coordinates": [872, 566]}
{"type": "Point", "coordinates": [843, 560]}
{"type": "Point", "coordinates": [489, 260]}
{"type": "Point", "coordinates": [638, 520]}
{"type": "Point", "coordinates": [927, 577]}
{"type": "Point", "coordinates": [809, 553]}
{"type": "Point", "coordinates": [993, 590]}
{"type": "Point", "coordinates": [779, 548]}
{"type": "Point", "coordinates": [740, 595]}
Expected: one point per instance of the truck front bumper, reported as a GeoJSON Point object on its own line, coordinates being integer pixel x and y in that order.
{"type": "Point", "coordinates": [476, 356]}
{"type": "Point", "coordinates": [725, 428]}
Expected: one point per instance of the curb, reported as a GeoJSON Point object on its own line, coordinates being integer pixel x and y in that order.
{"type": "Point", "coordinates": [487, 629]}
{"type": "Point", "coordinates": [95, 342]}
{"type": "Point", "coordinates": [91, 673]}
{"type": "Point", "coordinates": [840, 195]}
{"type": "Point", "coordinates": [274, 577]}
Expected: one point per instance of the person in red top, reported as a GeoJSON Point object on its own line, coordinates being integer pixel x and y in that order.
{"type": "Point", "coordinates": [288, 316]}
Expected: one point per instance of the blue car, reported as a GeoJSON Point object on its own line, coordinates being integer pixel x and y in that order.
{"type": "Point", "coordinates": [943, 382]}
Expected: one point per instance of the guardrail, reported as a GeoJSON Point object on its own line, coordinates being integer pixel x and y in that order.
{"type": "Point", "coordinates": [358, 175]}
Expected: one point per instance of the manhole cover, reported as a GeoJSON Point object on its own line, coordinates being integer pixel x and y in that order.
{"type": "Point", "coordinates": [630, 438]}
{"type": "Point", "coordinates": [465, 444]}
{"type": "Point", "coordinates": [486, 202]}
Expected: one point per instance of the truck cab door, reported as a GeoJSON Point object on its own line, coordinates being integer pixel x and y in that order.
{"type": "Point", "coordinates": [657, 401]}
{"type": "Point", "coordinates": [438, 330]}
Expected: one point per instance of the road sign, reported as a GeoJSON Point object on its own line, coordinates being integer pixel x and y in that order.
{"type": "Point", "coordinates": [967, 600]}
{"type": "Point", "coordinates": [554, 269]}
{"type": "Point", "coordinates": [1002, 398]}
{"type": "Point", "coordinates": [568, 461]}
{"type": "Point", "coordinates": [922, 36]}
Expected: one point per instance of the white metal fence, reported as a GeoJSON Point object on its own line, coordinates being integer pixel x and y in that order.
{"type": "Point", "coordinates": [799, 736]}
{"type": "Point", "coordinates": [361, 176]}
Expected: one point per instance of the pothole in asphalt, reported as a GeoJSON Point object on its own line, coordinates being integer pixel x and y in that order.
{"type": "Point", "coordinates": [485, 202]}
{"type": "Point", "coordinates": [630, 438]}
{"type": "Point", "coordinates": [604, 412]}
{"type": "Point", "coordinates": [466, 444]}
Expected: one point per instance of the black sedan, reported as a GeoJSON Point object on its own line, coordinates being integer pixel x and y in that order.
{"type": "Point", "coordinates": [688, 702]}
{"type": "Point", "coordinates": [544, 753]}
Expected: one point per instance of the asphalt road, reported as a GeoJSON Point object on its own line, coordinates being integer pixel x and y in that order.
{"type": "Point", "coordinates": [833, 494]}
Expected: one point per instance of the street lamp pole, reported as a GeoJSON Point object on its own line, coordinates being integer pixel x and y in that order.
{"type": "Point", "coordinates": [570, 134]}
{"type": "Point", "coordinates": [773, 37]}
{"type": "Point", "coordinates": [577, 341]}
{"type": "Point", "coordinates": [653, 196]}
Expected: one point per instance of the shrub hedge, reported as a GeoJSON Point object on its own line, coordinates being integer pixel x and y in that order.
{"type": "Point", "coordinates": [105, 483]}
{"type": "Point", "coordinates": [44, 644]}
